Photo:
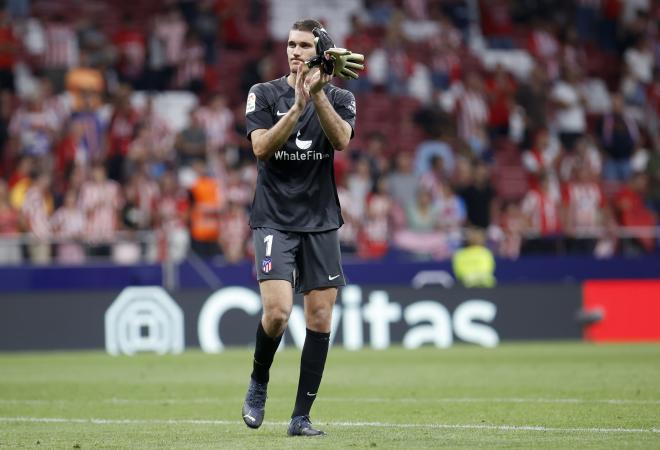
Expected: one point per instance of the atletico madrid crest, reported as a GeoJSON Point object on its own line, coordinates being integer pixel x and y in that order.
{"type": "Point", "coordinates": [266, 265]}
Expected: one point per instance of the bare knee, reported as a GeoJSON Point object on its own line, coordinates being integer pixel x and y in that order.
{"type": "Point", "coordinates": [275, 319]}
{"type": "Point", "coordinates": [319, 318]}
{"type": "Point", "coordinates": [277, 299]}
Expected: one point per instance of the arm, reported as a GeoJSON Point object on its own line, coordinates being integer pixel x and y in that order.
{"type": "Point", "coordinates": [335, 128]}
{"type": "Point", "coordinates": [265, 142]}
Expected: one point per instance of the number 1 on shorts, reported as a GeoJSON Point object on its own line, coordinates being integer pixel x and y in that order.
{"type": "Point", "coordinates": [268, 240]}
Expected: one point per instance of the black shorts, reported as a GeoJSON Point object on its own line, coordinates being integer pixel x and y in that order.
{"type": "Point", "coordinates": [307, 260]}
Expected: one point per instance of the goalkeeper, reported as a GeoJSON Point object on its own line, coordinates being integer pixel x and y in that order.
{"type": "Point", "coordinates": [295, 124]}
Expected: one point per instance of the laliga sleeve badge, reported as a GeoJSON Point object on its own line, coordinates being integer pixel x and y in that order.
{"type": "Point", "coordinates": [266, 265]}
{"type": "Point", "coordinates": [251, 103]}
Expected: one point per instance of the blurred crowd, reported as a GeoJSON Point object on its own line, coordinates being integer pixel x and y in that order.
{"type": "Point", "coordinates": [536, 122]}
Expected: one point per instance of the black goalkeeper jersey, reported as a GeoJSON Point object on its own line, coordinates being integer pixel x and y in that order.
{"type": "Point", "coordinates": [296, 188]}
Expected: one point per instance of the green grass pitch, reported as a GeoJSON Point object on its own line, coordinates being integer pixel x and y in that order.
{"type": "Point", "coordinates": [523, 395]}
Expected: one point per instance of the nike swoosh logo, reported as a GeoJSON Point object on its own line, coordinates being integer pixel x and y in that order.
{"type": "Point", "coordinates": [302, 145]}
{"type": "Point", "coordinates": [332, 278]}
{"type": "Point", "coordinates": [311, 395]}
{"type": "Point", "coordinates": [281, 113]}
{"type": "Point", "coordinates": [247, 416]}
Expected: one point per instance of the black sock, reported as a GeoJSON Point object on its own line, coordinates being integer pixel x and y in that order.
{"type": "Point", "coordinates": [264, 352]}
{"type": "Point", "coordinates": [312, 362]}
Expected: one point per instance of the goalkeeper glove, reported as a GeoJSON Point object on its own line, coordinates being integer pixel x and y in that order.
{"type": "Point", "coordinates": [323, 42]}
{"type": "Point", "coordinates": [346, 63]}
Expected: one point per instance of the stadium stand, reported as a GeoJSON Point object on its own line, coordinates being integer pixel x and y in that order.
{"type": "Point", "coordinates": [138, 86]}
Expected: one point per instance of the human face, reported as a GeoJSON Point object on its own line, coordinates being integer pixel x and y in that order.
{"type": "Point", "coordinates": [300, 48]}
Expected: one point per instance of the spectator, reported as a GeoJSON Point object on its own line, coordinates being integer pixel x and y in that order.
{"type": "Point", "coordinates": [500, 89]}
{"type": "Point", "coordinates": [479, 197]}
{"type": "Point", "coordinates": [20, 181]}
{"type": "Point", "coordinates": [159, 137]}
{"type": "Point", "coordinates": [348, 233]}
{"type": "Point", "coordinates": [374, 235]}
{"type": "Point", "coordinates": [217, 120]}
{"type": "Point", "coordinates": [238, 191]}
{"type": "Point", "coordinates": [54, 104]}
{"type": "Point", "coordinates": [541, 209]}
{"type": "Point", "coordinates": [172, 211]}
{"type": "Point", "coordinates": [632, 213]}
{"type": "Point", "coordinates": [452, 215]}
{"type": "Point", "coordinates": [85, 84]}
{"type": "Point", "coordinates": [92, 131]}
{"type": "Point", "coordinates": [542, 160]}
{"type": "Point", "coordinates": [582, 210]}
{"type": "Point", "coordinates": [359, 185]}
{"type": "Point", "coordinates": [146, 194]}
{"type": "Point", "coordinates": [190, 145]}
{"type": "Point", "coordinates": [377, 151]}
{"type": "Point", "coordinates": [639, 61]}
{"type": "Point", "coordinates": [206, 26]}
{"type": "Point", "coordinates": [207, 202]}
{"type": "Point", "coordinates": [62, 50]}
{"type": "Point", "coordinates": [131, 44]}
{"type": "Point", "coordinates": [391, 66]}
{"type": "Point", "coordinates": [68, 227]}
{"type": "Point", "coordinates": [586, 152]}
{"type": "Point", "coordinates": [121, 131]}
{"type": "Point", "coordinates": [545, 47]}
{"type": "Point", "coordinates": [570, 116]}
{"type": "Point", "coordinates": [619, 135]}
{"type": "Point", "coordinates": [471, 108]}
{"type": "Point", "coordinates": [127, 247]}
{"type": "Point", "coordinates": [100, 201]}
{"type": "Point", "coordinates": [435, 178]}
{"type": "Point", "coordinates": [10, 248]}
{"type": "Point", "coordinates": [532, 95]}
{"type": "Point", "coordinates": [69, 152]}
{"type": "Point", "coordinates": [474, 265]}
{"type": "Point", "coordinates": [422, 235]}
{"type": "Point", "coordinates": [402, 181]}
{"type": "Point", "coordinates": [9, 47]}
{"type": "Point", "coordinates": [496, 23]}
{"type": "Point", "coordinates": [189, 72]}
{"type": "Point", "coordinates": [170, 30]}
{"type": "Point", "coordinates": [37, 209]}
{"type": "Point", "coordinates": [425, 152]}
{"type": "Point", "coordinates": [423, 214]}
{"type": "Point", "coordinates": [34, 129]}
{"type": "Point", "coordinates": [93, 40]}
{"type": "Point", "coordinates": [509, 231]}
{"type": "Point", "coordinates": [235, 232]}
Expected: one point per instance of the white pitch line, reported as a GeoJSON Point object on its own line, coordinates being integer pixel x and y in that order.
{"type": "Point", "coordinates": [213, 400]}
{"type": "Point", "coordinates": [444, 426]}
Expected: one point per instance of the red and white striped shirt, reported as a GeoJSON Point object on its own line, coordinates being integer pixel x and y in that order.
{"type": "Point", "coordinates": [584, 201]}
{"type": "Point", "coordinates": [159, 137]}
{"type": "Point", "coordinates": [171, 32]}
{"type": "Point", "coordinates": [61, 46]}
{"type": "Point", "coordinates": [36, 210]}
{"type": "Point", "coordinates": [100, 202]}
{"type": "Point", "coordinates": [217, 124]}
{"type": "Point", "coordinates": [472, 114]}
{"type": "Point", "coordinates": [68, 223]}
{"type": "Point", "coordinates": [191, 66]}
{"type": "Point", "coordinates": [542, 211]}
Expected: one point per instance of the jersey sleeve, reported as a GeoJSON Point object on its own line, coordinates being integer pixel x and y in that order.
{"type": "Point", "coordinates": [258, 113]}
{"type": "Point", "coordinates": [345, 106]}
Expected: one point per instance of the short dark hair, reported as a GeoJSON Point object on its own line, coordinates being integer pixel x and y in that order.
{"type": "Point", "coordinates": [306, 25]}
